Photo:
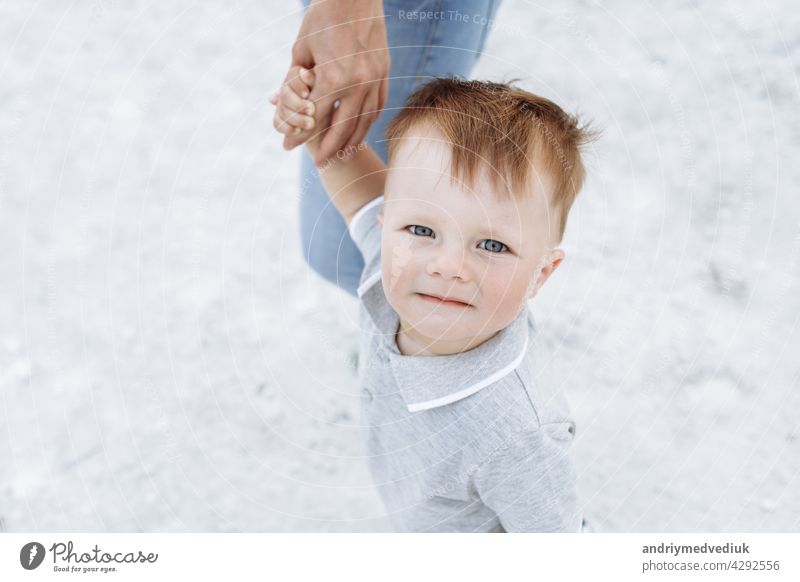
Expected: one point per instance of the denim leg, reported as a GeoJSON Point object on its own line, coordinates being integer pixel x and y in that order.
{"type": "Point", "coordinates": [420, 49]}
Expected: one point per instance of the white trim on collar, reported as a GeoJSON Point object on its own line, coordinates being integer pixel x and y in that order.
{"type": "Point", "coordinates": [368, 282]}
{"type": "Point", "coordinates": [362, 211]}
{"type": "Point", "coordinates": [417, 406]}
{"type": "Point", "coordinates": [427, 382]}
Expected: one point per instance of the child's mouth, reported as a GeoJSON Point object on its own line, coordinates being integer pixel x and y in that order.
{"type": "Point", "coordinates": [439, 301]}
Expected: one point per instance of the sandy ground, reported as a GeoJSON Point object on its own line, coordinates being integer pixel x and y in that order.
{"type": "Point", "coordinates": [169, 363]}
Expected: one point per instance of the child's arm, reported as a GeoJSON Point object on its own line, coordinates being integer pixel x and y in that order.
{"type": "Point", "coordinates": [354, 181]}
{"type": "Point", "coordinates": [353, 177]}
{"type": "Point", "coordinates": [530, 481]}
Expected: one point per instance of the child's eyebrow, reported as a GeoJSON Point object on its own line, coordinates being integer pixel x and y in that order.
{"type": "Point", "coordinates": [501, 232]}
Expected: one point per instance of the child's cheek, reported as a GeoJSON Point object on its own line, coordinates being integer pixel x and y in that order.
{"type": "Point", "coordinates": [532, 282]}
{"type": "Point", "coordinates": [398, 253]}
{"type": "Point", "coordinates": [499, 281]}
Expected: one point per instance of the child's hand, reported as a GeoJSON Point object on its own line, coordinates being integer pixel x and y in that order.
{"type": "Point", "coordinates": [294, 113]}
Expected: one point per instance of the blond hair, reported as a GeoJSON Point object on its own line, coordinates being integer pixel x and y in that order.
{"type": "Point", "coordinates": [505, 127]}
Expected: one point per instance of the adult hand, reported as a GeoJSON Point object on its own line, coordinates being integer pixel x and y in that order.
{"type": "Point", "coordinates": [345, 43]}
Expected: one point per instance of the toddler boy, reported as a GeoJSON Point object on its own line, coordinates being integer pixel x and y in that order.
{"type": "Point", "coordinates": [466, 430]}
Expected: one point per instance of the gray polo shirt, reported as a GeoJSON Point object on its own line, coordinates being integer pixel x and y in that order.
{"type": "Point", "coordinates": [470, 442]}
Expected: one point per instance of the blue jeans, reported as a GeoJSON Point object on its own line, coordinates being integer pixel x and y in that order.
{"type": "Point", "coordinates": [447, 41]}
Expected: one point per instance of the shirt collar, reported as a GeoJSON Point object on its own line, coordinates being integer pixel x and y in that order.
{"type": "Point", "coordinates": [427, 382]}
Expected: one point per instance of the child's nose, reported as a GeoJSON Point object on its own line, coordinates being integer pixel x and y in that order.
{"type": "Point", "coordinates": [449, 262]}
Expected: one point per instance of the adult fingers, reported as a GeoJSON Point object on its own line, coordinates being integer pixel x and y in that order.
{"type": "Point", "coordinates": [307, 76]}
{"type": "Point", "coordinates": [343, 123]}
{"type": "Point", "coordinates": [365, 119]}
{"type": "Point", "coordinates": [295, 80]}
{"type": "Point", "coordinates": [383, 94]}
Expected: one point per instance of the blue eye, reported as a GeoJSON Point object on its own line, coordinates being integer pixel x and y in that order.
{"type": "Point", "coordinates": [493, 246]}
{"type": "Point", "coordinates": [420, 230]}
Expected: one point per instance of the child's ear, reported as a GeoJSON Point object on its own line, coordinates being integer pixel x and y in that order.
{"type": "Point", "coordinates": [546, 268]}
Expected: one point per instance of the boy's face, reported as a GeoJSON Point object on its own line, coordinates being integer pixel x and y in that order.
{"type": "Point", "coordinates": [445, 240]}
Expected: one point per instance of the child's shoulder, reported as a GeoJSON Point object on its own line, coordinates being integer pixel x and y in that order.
{"type": "Point", "coordinates": [365, 230]}
{"type": "Point", "coordinates": [529, 399]}
{"type": "Point", "coordinates": [546, 392]}
{"type": "Point", "coordinates": [530, 407]}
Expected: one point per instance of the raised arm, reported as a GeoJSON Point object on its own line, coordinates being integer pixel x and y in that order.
{"type": "Point", "coordinates": [530, 482]}
{"type": "Point", "coordinates": [352, 176]}
{"type": "Point", "coordinates": [352, 181]}
{"type": "Point", "coordinates": [346, 42]}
